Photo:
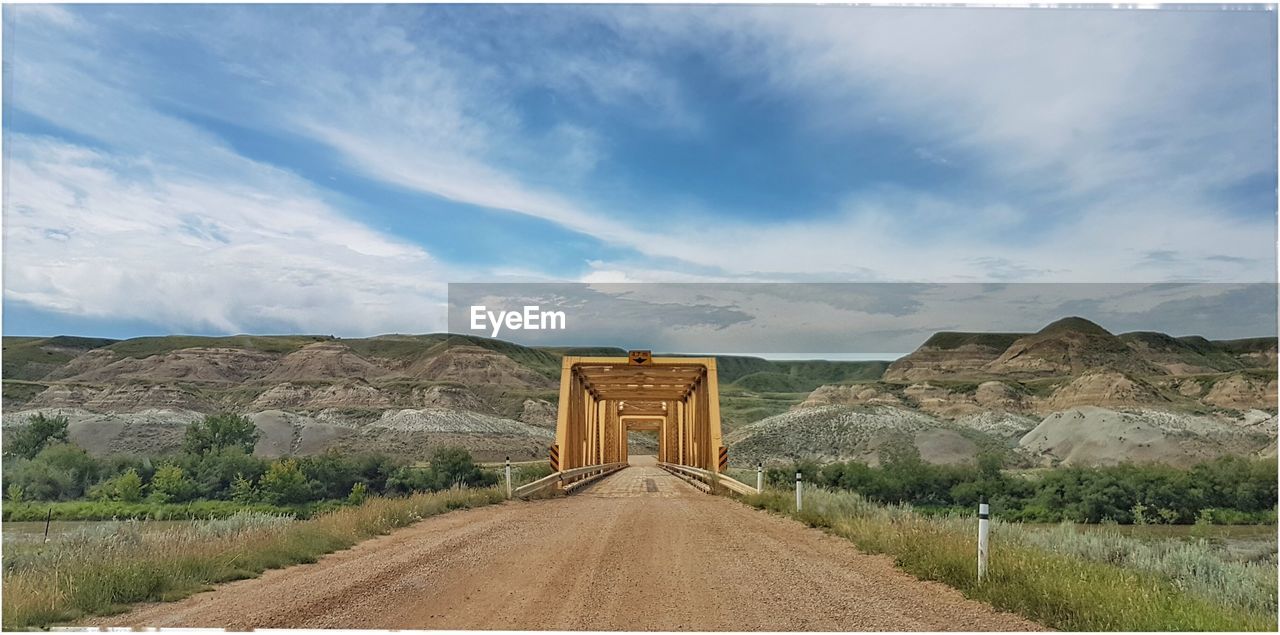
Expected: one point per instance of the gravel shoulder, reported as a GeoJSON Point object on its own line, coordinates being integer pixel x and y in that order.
{"type": "Point", "coordinates": [638, 551]}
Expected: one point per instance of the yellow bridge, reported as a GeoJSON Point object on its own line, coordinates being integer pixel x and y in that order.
{"type": "Point", "coordinates": [602, 398]}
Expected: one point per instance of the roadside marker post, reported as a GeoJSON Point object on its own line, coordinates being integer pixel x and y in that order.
{"type": "Point", "coordinates": [798, 502]}
{"type": "Point", "coordinates": [984, 529]}
{"type": "Point", "coordinates": [508, 477]}
{"type": "Point", "coordinates": [760, 477]}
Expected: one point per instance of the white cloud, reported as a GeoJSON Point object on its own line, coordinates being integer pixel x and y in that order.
{"type": "Point", "coordinates": [1102, 114]}
{"type": "Point", "coordinates": [97, 235]}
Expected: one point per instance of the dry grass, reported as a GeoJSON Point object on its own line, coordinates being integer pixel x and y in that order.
{"type": "Point", "coordinates": [103, 571]}
{"type": "Point", "coordinates": [1057, 586]}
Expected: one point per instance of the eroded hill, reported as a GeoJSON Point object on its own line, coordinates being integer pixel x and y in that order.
{"type": "Point", "coordinates": [1071, 392]}
{"type": "Point", "coordinates": [401, 394]}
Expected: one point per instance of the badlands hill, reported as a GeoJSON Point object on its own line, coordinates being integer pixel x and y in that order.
{"type": "Point", "coordinates": [401, 394]}
{"type": "Point", "coordinates": [1071, 393]}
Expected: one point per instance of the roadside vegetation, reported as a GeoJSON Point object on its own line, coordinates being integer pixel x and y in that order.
{"type": "Point", "coordinates": [1227, 490]}
{"type": "Point", "coordinates": [529, 472]}
{"type": "Point", "coordinates": [86, 510]}
{"type": "Point", "coordinates": [103, 569]}
{"type": "Point", "coordinates": [247, 514]}
{"type": "Point", "coordinates": [215, 475]}
{"type": "Point", "coordinates": [1061, 578]}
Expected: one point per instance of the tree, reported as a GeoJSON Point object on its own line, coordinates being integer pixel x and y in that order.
{"type": "Point", "coordinates": [334, 473]}
{"type": "Point", "coordinates": [125, 487]}
{"type": "Point", "coordinates": [989, 463]}
{"type": "Point", "coordinates": [285, 484]}
{"type": "Point", "coordinates": [375, 469]}
{"type": "Point", "coordinates": [453, 467]}
{"type": "Point", "coordinates": [61, 471]}
{"type": "Point", "coordinates": [171, 485]}
{"type": "Point", "coordinates": [128, 487]}
{"type": "Point", "coordinates": [215, 471]}
{"type": "Point", "coordinates": [358, 493]}
{"type": "Point", "coordinates": [407, 479]}
{"type": "Point", "coordinates": [39, 432]}
{"type": "Point", "coordinates": [220, 431]}
{"type": "Point", "coordinates": [242, 490]}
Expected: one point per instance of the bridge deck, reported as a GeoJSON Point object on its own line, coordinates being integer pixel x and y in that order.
{"type": "Point", "coordinates": [641, 550]}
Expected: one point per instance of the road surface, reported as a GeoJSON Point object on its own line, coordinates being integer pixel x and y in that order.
{"type": "Point", "coordinates": [641, 550]}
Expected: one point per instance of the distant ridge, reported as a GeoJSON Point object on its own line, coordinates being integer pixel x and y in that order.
{"type": "Point", "coordinates": [1074, 345]}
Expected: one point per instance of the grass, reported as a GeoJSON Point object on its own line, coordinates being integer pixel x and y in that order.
{"type": "Point", "coordinates": [819, 372]}
{"type": "Point", "coordinates": [16, 391]}
{"type": "Point", "coordinates": [528, 473]}
{"type": "Point", "coordinates": [141, 347]}
{"type": "Point", "coordinates": [119, 510]}
{"type": "Point", "coordinates": [104, 573]}
{"type": "Point", "coordinates": [948, 340]}
{"type": "Point", "coordinates": [1247, 345]}
{"type": "Point", "coordinates": [739, 407]}
{"type": "Point", "coordinates": [1068, 582]}
{"type": "Point", "coordinates": [522, 472]}
{"type": "Point", "coordinates": [33, 357]}
{"type": "Point", "coordinates": [1196, 565]}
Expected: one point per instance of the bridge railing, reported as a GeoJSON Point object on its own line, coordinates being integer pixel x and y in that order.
{"type": "Point", "coordinates": [706, 479]}
{"type": "Point", "coordinates": [569, 480]}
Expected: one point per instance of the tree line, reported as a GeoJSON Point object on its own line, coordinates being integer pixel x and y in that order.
{"type": "Point", "coordinates": [216, 462]}
{"type": "Point", "coordinates": [1225, 490]}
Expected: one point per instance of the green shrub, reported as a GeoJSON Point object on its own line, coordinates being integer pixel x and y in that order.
{"type": "Point", "coordinates": [220, 431]}
{"type": "Point", "coordinates": [242, 490]}
{"type": "Point", "coordinates": [1239, 490]}
{"type": "Point", "coordinates": [171, 485]}
{"type": "Point", "coordinates": [216, 470]}
{"type": "Point", "coordinates": [60, 471]}
{"type": "Point", "coordinates": [450, 467]}
{"type": "Point", "coordinates": [358, 493]}
{"type": "Point", "coordinates": [284, 483]}
{"type": "Point", "coordinates": [126, 487]}
{"type": "Point", "coordinates": [453, 467]}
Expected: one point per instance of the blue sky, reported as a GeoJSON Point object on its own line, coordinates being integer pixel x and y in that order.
{"type": "Point", "coordinates": [327, 169]}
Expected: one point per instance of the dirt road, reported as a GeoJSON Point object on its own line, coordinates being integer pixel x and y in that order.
{"type": "Point", "coordinates": [641, 550]}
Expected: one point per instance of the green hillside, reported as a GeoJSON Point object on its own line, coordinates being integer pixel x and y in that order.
{"type": "Point", "coordinates": [948, 340]}
{"type": "Point", "coordinates": [34, 357]}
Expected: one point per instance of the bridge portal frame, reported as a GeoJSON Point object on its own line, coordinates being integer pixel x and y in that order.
{"type": "Point", "coordinates": [599, 395]}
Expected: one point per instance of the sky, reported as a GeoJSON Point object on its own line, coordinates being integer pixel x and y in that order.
{"type": "Point", "coordinates": [209, 169]}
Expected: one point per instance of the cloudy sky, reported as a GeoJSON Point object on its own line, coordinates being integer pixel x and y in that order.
{"type": "Point", "coordinates": [327, 169]}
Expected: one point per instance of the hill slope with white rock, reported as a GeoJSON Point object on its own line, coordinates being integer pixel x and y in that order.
{"type": "Point", "coordinates": [1070, 393]}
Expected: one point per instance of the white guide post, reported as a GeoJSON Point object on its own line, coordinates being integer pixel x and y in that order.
{"type": "Point", "coordinates": [984, 528]}
{"type": "Point", "coordinates": [508, 471]}
{"type": "Point", "coordinates": [759, 477]}
{"type": "Point", "coordinates": [798, 502]}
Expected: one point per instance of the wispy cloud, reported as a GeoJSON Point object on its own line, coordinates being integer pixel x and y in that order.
{"type": "Point", "coordinates": [98, 235]}
{"type": "Point", "coordinates": [1074, 146]}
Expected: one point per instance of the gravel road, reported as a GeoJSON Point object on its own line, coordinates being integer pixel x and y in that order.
{"type": "Point", "coordinates": [638, 551]}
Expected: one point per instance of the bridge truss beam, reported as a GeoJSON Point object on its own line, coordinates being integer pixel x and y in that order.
{"type": "Point", "coordinates": [678, 397]}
